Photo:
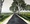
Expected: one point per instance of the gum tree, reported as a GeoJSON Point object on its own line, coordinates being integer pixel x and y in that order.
{"type": "Point", "coordinates": [19, 4]}
{"type": "Point", "coordinates": [14, 7]}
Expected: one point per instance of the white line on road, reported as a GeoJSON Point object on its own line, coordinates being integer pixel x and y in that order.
{"type": "Point", "coordinates": [6, 20]}
{"type": "Point", "coordinates": [23, 19]}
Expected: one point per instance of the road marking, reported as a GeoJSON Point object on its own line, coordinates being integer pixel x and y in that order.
{"type": "Point", "coordinates": [23, 19]}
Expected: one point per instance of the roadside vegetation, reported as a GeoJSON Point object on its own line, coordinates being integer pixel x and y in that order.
{"type": "Point", "coordinates": [4, 16]}
{"type": "Point", "coordinates": [25, 15]}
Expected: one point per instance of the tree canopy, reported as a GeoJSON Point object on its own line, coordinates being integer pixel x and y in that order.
{"type": "Point", "coordinates": [17, 3]}
{"type": "Point", "coordinates": [14, 6]}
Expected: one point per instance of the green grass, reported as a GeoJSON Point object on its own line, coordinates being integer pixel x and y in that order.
{"type": "Point", "coordinates": [3, 16]}
{"type": "Point", "coordinates": [25, 15]}
{"type": "Point", "coordinates": [0, 22]}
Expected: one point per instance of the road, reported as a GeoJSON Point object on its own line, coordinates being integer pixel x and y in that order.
{"type": "Point", "coordinates": [16, 20]}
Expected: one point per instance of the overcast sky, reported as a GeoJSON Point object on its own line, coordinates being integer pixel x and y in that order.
{"type": "Point", "coordinates": [27, 1]}
{"type": "Point", "coordinates": [7, 4]}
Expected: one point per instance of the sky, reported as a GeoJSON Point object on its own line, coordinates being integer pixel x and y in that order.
{"type": "Point", "coordinates": [7, 4]}
{"type": "Point", "coordinates": [27, 1]}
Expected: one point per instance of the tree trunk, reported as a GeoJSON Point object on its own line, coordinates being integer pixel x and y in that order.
{"type": "Point", "coordinates": [1, 2]}
{"type": "Point", "coordinates": [18, 9]}
{"type": "Point", "coordinates": [14, 10]}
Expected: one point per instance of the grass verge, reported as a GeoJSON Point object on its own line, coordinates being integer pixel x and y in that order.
{"type": "Point", "coordinates": [25, 15]}
{"type": "Point", "coordinates": [3, 16]}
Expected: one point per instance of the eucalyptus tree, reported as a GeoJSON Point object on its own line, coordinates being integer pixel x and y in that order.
{"type": "Point", "coordinates": [19, 4]}
{"type": "Point", "coordinates": [14, 8]}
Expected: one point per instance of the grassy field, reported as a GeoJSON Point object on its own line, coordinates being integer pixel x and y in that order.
{"type": "Point", "coordinates": [25, 15]}
{"type": "Point", "coordinates": [3, 16]}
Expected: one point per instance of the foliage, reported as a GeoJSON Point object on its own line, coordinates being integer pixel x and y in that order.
{"type": "Point", "coordinates": [17, 3]}
{"type": "Point", "coordinates": [22, 3]}
{"type": "Point", "coordinates": [4, 16]}
{"type": "Point", "coordinates": [27, 7]}
{"type": "Point", "coordinates": [14, 6]}
{"type": "Point", "coordinates": [25, 15]}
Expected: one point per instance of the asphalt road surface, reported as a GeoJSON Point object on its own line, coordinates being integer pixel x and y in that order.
{"type": "Point", "coordinates": [16, 20]}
